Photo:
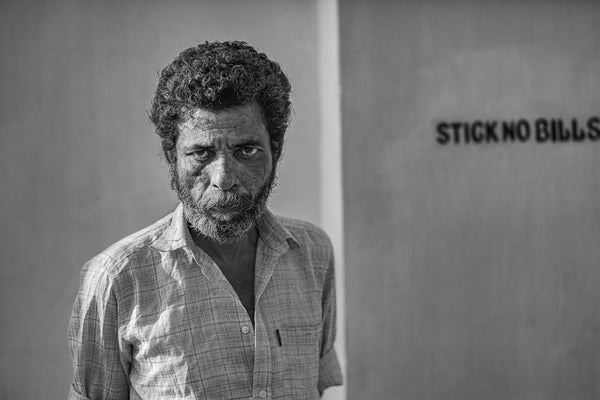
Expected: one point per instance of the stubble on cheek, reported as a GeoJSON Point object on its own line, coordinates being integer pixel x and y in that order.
{"type": "Point", "coordinates": [196, 186]}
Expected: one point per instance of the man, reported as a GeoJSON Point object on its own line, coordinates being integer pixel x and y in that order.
{"type": "Point", "coordinates": [220, 299]}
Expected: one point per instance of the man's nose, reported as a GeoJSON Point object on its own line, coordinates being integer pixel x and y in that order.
{"type": "Point", "coordinates": [222, 174]}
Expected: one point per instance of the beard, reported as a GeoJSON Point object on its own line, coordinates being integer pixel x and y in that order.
{"type": "Point", "coordinates": [221, 215]}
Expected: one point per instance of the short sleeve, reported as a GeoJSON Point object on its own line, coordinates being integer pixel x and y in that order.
{"type": "Point", "coordinates": [330, 373]}
{"type": "Point", "coordinates": [100, 364]}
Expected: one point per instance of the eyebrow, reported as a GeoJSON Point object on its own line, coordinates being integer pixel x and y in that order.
{"type": "Point", "coordinates": [248, 142]}
{"type": "Point", "coordinates": [241, 143]}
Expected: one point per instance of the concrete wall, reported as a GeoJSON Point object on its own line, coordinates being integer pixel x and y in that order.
{"type": "Point", "coordinates": [79, 162]}
{"type": "Point", "coordinates": [471, 270]}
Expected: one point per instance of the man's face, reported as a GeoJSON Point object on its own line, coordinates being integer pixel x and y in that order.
{"type": "Point", "coordinates": [224, 170]}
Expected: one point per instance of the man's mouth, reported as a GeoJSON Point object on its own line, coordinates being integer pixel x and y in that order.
{"type": "Point", "coordinates": [223, 209]}
{"type": "Point", "coordinates": [227, 205]}
{"type": "Point", "coordinates": [223, 212]}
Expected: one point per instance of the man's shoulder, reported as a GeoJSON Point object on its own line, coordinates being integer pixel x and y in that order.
{"type": "Point", "coordinates": [136, 246]}
{"type": "Point", "coordinates": [308, 235]}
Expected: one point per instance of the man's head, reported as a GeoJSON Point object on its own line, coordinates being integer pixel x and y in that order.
{"type": "Point", "coordinates": [221, 110]}
{"type": "Point", "coordinates": [216, 76]}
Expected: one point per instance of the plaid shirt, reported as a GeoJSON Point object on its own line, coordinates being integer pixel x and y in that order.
{"type": "Point", "coordinates": [155, 318]}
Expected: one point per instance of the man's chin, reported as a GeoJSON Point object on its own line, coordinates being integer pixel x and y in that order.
{"type": "Point", "coordinates": [223, 226]}
{"type": "Point", "coordinates": [225, 231]}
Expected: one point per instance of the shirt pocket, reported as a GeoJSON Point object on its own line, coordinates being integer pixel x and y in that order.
{"type": "Point", "coordinates": [300, 347]}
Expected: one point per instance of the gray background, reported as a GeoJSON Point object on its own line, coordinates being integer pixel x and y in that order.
{"type": "Point", "coordinates": [471, 272]}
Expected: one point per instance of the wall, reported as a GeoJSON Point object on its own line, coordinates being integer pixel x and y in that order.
{"type": "Point", "coordinates": [79, 164]}
{"type": "Point", "coordinates": [471, 270]}
{"type": "Point", "coordinates": [332, 212]}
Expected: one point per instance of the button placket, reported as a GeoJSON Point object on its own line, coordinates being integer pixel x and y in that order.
{"type": "Point", "coordinates": [262, 360]}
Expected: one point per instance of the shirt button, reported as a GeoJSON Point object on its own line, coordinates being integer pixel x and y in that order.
{"type": "Point", "coordinates": [262, 394]}
{"type": "Point", "coordinates": [245, 330]}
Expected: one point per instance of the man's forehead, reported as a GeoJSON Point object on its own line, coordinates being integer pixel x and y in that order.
{"type": "Point", "coordinates": [233, 117]}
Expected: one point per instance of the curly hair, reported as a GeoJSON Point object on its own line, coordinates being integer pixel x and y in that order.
{"type": "Point", "coordinates": [216, 76]}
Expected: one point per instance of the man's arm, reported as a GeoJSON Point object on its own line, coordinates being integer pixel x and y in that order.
{"type": "Point", "coordinates": [100, 370]}
{"type": "Point", "coordinates": [330, 373]}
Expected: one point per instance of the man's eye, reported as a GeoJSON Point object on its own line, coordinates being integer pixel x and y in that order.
{"type": "Point", "coordinates": [201, 154]}
{"type": "Point", "coordinates": [248, 151]}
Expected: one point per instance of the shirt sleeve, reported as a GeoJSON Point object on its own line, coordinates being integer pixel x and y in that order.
{"type": "Point", "coordinates": [100, 366]}
{"type": "Point", "coordinates": [330, 373]}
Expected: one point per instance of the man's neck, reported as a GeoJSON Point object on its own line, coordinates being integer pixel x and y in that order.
{"type": "Point", "coordinates": [236, 261]}
{"type": "Point", "coordinates": [227, 252]}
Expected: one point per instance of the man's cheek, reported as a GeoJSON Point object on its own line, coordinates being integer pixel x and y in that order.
{"type": "Point", "coordinates": [197, 190]}
{"type": "Point", "coordinates": [195, 180]}
{"type": "Point", "coordinates": [255, 176]}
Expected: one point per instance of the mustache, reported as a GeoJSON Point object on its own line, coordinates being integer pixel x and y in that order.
{"type": "Point", "coordinates": [231, 200]}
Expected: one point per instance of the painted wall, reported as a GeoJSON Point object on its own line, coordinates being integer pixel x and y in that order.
{"type": "Point", "coordinates": [471, 270]}
{"type": "Point", "coordinates": [79, 163]}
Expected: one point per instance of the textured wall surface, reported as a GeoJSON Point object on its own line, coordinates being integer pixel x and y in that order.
{"type": "Point", "coordinates": [471, 270]}
{"type": "Point", "coordinates": [79, 162]}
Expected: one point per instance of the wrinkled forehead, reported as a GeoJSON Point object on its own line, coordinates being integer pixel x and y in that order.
{"type": "Point", "coordinates": [248, 115]}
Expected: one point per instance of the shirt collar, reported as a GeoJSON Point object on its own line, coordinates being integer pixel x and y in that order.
{"type": "Point", "coordinates": [274, 234]}
{"type": "Point", "coordinates": [270, 230]}
{"type": "Point", "coordinates": [176, 235]}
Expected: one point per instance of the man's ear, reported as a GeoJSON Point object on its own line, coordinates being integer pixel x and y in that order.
{"type": "Point", "coordinates": [171, 156]}
{"type": "Point", "coordinates": [275, 152]}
